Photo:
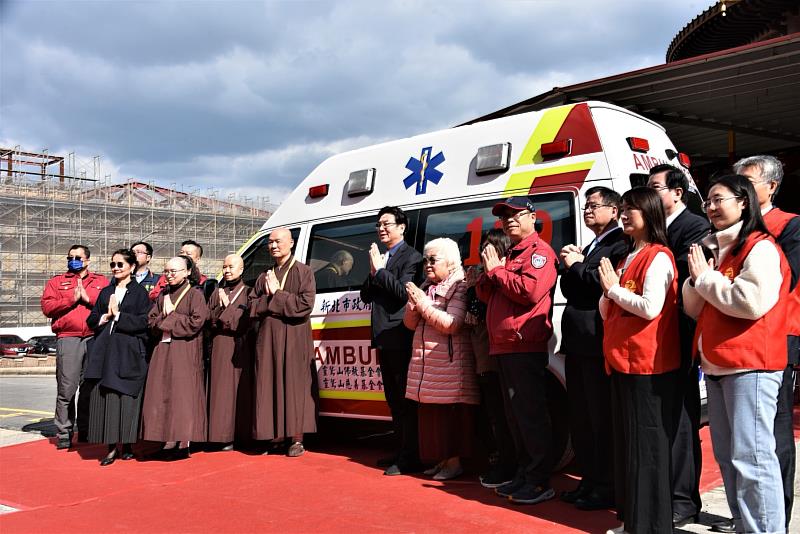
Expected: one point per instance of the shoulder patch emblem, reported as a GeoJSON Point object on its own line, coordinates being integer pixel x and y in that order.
{"type": "Point", "coordinates": [538, 261]}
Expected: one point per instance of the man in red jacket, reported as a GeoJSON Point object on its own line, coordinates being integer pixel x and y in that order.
{"type": "Point", "coordinates": [518, 291]}
{"type": "Point", "coordinates": [766, 173]}
{"type": "Point", "coordinates": [67, 300]}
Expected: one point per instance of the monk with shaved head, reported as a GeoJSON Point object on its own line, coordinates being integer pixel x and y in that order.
{"type": "Point", "coordinates": [283, 299]}
{"type": "Point", "coordinates": [229, 317]}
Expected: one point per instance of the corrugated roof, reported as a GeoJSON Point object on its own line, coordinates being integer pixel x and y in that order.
{"type": "Point", "coordinates": [750, 90]}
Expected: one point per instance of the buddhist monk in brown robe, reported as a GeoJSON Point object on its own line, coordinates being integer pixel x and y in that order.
{"type": "Point", "coordinates": [174, 409]}
{"type": "Point", "coordinates": [229, 313]}
{"type": "Point", "coordinates": [283, 298]}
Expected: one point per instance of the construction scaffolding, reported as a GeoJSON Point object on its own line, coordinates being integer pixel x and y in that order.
{"type": "Point", "coordinates": [43, 211]}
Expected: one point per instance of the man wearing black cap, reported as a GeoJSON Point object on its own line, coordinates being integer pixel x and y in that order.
{"type": "Point", "coordinates": [518, 290]}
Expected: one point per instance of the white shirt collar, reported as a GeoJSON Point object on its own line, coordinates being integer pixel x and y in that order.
{"type": "Point", "coordinates": [608, 231]}
{"type": "Point", "coordinates": [675, 213]}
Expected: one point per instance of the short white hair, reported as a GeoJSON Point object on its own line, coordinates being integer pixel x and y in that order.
{"type": "Point", "coordinates": [447, 249]}
{"type": "Point", "coordinates": [770, 167]}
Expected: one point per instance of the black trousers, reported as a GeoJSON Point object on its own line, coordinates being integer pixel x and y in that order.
{"type": "Point", "coordinates": [589, 397]}
{"type": "Point", "coordinates": [644, 409]}
{"type": "Point", "coordinates": [687, 456]}
{"type": "Point", "coordinates": [394, 371]}
{"type": "Point", "coordinates": [493, 408]}
{"type": "Point", "coordinates": [523, 381]}
{"type": "Point", "coordinates": [784, 438]}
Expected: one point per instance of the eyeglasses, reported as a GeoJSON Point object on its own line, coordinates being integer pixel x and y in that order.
{"type": "Point", "coordinates": [430, 260]}
{"type": "Point", "coordinates": [172, 272]}
{"type": "Point", "coordinates": [117, 264]}
{"type": "Point", "coordinates": [594, 207]}
{"type": "Point", "coordinates": [70, 258]}
{"type": "Point", "coordinates": [716, 201]}
{"type": "Point", "coordinates": [384, 225]}
{"type": "Point", "coordinates": [515, 217]}
{"type": "Point", "coordinates": [658, 187]}
{"type": "Point", "coordinates": [141, 252]}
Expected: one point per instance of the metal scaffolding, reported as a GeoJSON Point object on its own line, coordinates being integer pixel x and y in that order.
{"type": "Point", "coordinates": [43, 211]}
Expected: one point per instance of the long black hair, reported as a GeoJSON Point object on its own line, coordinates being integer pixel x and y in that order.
{"type": "Point", "coordinates": [648, 202]}
{"type": "Point", "coordinates": [498, 239]}
{"type": "Point", "coordinates": [752, 221]}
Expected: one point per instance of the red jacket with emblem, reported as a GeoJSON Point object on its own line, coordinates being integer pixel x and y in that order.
{"type": "Point", "coordinates": [738, 343]}
{"type": "Point", "coordinates": [777, 221]}
{"type": "Point", "coordinates": [68, 318]}
{"type": "Point", "coordinates": [519, 298]}
{"type": "Point", "coordinates": [635, 345]}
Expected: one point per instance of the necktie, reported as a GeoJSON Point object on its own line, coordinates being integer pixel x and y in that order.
{"type": "Point", "coordinates": [591, 247]}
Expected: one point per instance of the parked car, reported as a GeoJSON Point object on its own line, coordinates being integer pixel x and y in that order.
{"type": "Point", "coordinates": [12, 346]}
{"type": "Point", "coordinates": [43, 345]}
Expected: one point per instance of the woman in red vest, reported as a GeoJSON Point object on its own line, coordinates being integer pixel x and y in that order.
{"type": "Point", "coordinates": [739, 299]}
{"type": "Point", "coordinates": [639, 307]}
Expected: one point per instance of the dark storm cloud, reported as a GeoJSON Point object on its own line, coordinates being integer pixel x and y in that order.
{"type": "Point", "coordinates": [259, 93]}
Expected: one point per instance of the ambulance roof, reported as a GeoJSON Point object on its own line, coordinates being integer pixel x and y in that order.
{"type": "Point", "coordinates": [440, 166]}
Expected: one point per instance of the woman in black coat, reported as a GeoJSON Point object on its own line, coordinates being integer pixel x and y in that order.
{"type": "Point", "coordinates": [116, 359]}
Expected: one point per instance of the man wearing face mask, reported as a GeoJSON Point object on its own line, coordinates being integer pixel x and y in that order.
{"type": "Point", "coordinates": [229, 319]}
{"type": "Point", "coordinates": [67, 300]}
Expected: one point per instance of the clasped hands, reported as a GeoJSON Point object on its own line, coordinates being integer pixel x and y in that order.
{"type": "Point", "coordinates": [608, 276]}
{"type": "Point", "coordinates": [490, 258]}
{"type": "Point", "coordinates": [376, 259]}
{"type": "Point", "coordinates": [697, 262]}
{"type": "Point", "coordinates": [571, 254]}
{"type": "Point", "coordinates": [80, 294]}
{"type": "Point", "coordinates": [415, 294]}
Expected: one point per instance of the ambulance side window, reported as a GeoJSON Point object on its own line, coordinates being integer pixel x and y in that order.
{"type": "Point", "coordinates": [257, 258]}
{"type": "Point", "coordinates": [338, 253]}
{"type": "Point", "coordinates": [467, 223]}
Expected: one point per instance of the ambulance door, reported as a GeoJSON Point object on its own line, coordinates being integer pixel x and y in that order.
{"type": "Point", "coordinates": [348, 375]}
{"type": "Point", "coordinates": [465, 224]}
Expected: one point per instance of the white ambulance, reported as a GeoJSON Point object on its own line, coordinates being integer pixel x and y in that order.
{"type": "Point", "coordinates": [447, 183]}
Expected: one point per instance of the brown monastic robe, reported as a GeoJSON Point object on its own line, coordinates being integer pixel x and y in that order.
{"type": "Point", "coordinates": [174, 400]}
{"type": "Point", "coordinates": [284, 349]}
{"type": "Point", "coordinates": [229, 396]}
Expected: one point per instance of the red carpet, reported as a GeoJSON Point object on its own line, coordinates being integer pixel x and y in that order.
{"type": "Point", "coordinates": [234, 492]}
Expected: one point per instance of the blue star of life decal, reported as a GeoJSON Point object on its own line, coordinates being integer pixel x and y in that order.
{"type": "Point", "coordinates": [423, 170]}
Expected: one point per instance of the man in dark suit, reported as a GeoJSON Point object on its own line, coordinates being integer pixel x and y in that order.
{"type": "Point", "coordinates": [588, 385]}
{"type": "Point", "coordinates": [385, 289]}
{"type": "Point", "coordinates": [683, 229]}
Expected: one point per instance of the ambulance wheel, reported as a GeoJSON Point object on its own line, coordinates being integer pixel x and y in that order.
{"type": "Point", "coordinates": [559, 420]}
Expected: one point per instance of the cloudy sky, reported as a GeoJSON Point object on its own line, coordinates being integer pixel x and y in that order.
{"type": "Point", "coordinates": [248, 97]}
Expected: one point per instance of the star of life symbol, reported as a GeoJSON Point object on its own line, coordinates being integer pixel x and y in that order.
{"type": "Point", "coordinates": [423, 170]}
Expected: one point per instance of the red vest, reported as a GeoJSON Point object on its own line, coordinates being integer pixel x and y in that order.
{"type": "Point", "coordinates": [744, 343]}
{"type": "Point", "coordinates": [637, 346]}
{"type": "Point", "coordinates": [776, 220]}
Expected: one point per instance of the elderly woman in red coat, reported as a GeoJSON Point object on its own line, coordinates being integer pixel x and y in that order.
{"type": "Point", "coordinates": [441, 375]}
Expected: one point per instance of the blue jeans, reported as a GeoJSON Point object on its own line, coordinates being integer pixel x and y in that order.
{"type": "Point", "coordinates": [741, 412]}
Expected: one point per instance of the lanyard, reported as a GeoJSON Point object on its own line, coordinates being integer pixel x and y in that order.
{"type": "Point", "coordinates": [285, 274]}
{"type": "Point", "coordinates": [236, 296]}
{"type": "Point", "coordinates": [180, 297]}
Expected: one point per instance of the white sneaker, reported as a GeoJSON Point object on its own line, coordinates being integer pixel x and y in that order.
{"type": "Point", "coordinates": [619, 530]}
{"type": "Point", "coordinates": [447, 473]}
